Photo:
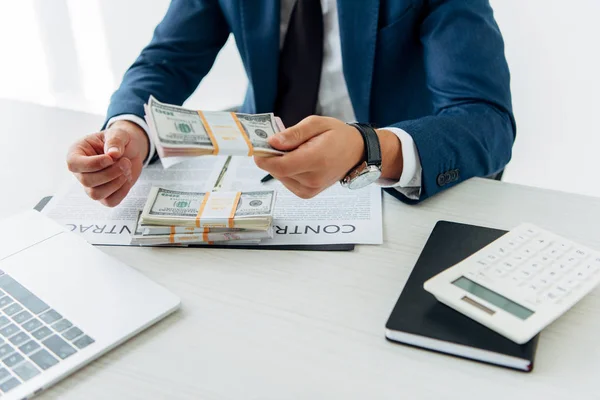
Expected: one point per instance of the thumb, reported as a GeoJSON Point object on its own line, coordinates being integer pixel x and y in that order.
{"type": "Point", "coordinates": [294, 136]}
{"type": "Point", "coordinates": [115, 140]}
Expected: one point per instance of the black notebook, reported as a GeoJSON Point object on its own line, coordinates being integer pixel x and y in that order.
{"type": "Point", "coordinates": [418, 319]}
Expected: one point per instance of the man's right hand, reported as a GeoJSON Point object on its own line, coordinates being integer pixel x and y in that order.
{"type": "Point", "coordinates": [108, 163]}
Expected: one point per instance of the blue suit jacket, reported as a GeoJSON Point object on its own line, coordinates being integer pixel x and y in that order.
{"type": "Point", "coordinates": [434, 68]}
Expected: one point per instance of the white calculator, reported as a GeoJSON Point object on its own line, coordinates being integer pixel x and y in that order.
{"type": "Point", "coordinates": [520, 283]}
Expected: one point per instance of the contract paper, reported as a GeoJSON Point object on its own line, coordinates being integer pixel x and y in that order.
{"type": "Point", "coordinates": [336, 216]}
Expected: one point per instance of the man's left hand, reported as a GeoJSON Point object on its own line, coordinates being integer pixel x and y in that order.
{"type": "Point", "coordinates": [321, 151]}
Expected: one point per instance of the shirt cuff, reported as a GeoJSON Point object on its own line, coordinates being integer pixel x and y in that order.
{"type": "Point", "coordinates": [139, 121]}
{"type": "Point", "coordinates": [409, 183]}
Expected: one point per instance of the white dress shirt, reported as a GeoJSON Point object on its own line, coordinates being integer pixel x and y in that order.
{"type": "Point", "coordinates": [333, 99]}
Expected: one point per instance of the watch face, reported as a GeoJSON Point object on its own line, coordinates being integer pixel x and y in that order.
{"type": "Point", "coordinates": [367, 177]}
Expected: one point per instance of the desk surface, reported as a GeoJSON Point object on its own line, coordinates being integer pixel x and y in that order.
{"type": "Point", "coordinates": [302, 325]}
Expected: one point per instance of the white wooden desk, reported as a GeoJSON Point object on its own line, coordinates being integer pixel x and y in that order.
{"type": "Point", "coordinates": [307, 325]}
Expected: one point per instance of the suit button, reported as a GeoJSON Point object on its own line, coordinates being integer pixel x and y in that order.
{"type": "Point", "coordinates": [441, 179]}
{"type": "Point", "coordinates": [448, 177]}
{"type": "Point", "coordinates": [454, 175]}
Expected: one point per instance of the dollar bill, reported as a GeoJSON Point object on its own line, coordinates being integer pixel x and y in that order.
{"type": "Point", "coordinates": [176, 126]}
{"type": "Point", "coordinates": [259, 127]}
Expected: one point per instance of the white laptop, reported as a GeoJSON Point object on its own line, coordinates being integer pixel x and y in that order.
{"type": "Point", "coordinates": [63, 303]}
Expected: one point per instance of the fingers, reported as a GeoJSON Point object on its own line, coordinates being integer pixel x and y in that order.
{"type": "Point", "coordinates": [118, 196]}
{"type": "Point", "coordinates": [94, 179]}
{"type": "Point", "coordinates": [303, 131]}
{"type": "Point", "coordinates": [115, 141]}
{"type": "Point", "coordinates": [103, 192]}
{"type": "Point", "coordinates": [79, 162]}
{"type": "Point", "coordinates": [86, 154]}
{"type": "Point", "coordinates": [293, 163]}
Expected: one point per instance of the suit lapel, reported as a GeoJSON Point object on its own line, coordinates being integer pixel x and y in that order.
{"type": "Point", "coordinates": [260, 33]}
{"type": "Point", "coordinates": [358, 32]}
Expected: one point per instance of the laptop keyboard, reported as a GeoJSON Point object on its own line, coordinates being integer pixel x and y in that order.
{"type": "Point", "coordinates": [33, 336]}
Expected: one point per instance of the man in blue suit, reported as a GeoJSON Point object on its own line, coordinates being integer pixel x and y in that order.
{"type": "Point", "coordinates": [429, 75]}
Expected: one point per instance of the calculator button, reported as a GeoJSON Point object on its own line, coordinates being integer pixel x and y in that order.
{"type": "Point", "coordinates": [508, 265]}
{"type": "Point", "coordinates": [524, 273]}
{"type": "Point", "coordinates": [590, 268]}
{"type": "Point", "coordinates": [542, 283]}
{"type": "Point", "coordinates": [502, 251]}
{"type": "Point", "coordinates": [498, 272]}
{"type": "Point", "coordinates": [569, 283]}
{"type": "Point", "coordinates": [517, 259]}
{"type": "Point", "coordinates": [583, 272]}
{"type": "Point", "coordinates": [482, 262]}
{"type": "Point", "coordinates": [540, 243]}
{"type": "Point", "coordinates": [550, 297]}
{"type": "Point", "coordinates": [531, 231]}
{"type": "Point", "coordinates": [492, 257]}
{"type": "Point", "coordinates": [534, 300]}
{"type": "Point", "coordinates": [528, 251]}
{"type": "Point", "coordinates": [554, 252]}
{"type": "Point", "coordinates": [559, 266]}
{"type": "Point", "coordinates": [570, 260]}
{"type": "Point", "coordinates": [550, 275]}
{"type": "Point", "coordinates": [580, 253]}
{"type": "Point", "coordinates": [513, 244]}
{"type": "Point", "coordinates": [563, 289]}
{"type": "Point", "coordinates": [533, 266]}
{"type": "Point", "coordinates": [516, 279]}
{"type": "Point", "coordinates": [581, 275]}
{"type": "Point", "coordinates": [520, 238]}
{"type": "Point", "coordinates": [482, 277]}
{"type": "Point", "coordinates": [544, 259]}
{"type": "Point", "coordinates": [553, 295]}
{"type": "Point", "coordinates": [532, 289]}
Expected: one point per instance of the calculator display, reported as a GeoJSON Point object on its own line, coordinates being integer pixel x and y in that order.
{"type": "Point", "coordinates": [493, 298]}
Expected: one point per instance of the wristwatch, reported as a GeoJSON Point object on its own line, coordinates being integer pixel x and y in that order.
{"type": "Point", "coordinates": [368, 171]}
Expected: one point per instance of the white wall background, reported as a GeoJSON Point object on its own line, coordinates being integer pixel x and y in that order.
{"type": "Point", "coordinates": [72, 53]}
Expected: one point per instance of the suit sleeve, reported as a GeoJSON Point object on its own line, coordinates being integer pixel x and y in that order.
{"type": "Point", "coordinates": [181, 52]}
{"type": "Point", "coordinates": [472, 129]}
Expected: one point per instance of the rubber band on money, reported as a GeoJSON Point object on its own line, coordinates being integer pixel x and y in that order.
{"type": "Point", "coordinates": [201, 209]}
{"type": "Point", "coordinates": [181, 238]}
{"type": "Point", "coordinates": [244, 134]}
{"type": "Point", "coordinates": [209, 132]}
{"type": "Point", "coordinates": [205, 236]}
{"type": "Point", "coordinates": [218, 209]}
{"type": "Point", "coordinates": [186, 230]}
{"type": "Point", "coordinates": [226, 133]}
{"type": "Point", "coordinates": [233, 209]}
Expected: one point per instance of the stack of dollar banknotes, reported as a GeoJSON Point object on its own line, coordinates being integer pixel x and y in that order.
{"type": "Point", "coordinates": [180, 133]}
{"type": "Point", "coordinates": [172, 217]}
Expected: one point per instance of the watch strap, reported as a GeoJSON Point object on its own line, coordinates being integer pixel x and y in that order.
{"type": "Point", "coordinates": [372, 147]}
